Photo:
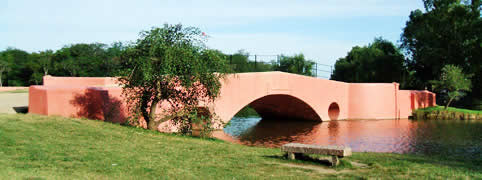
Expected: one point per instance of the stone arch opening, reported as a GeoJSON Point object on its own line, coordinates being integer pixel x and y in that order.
{"type": "Point", "coordinates": [280, 106]}
{"type": "Point", "coordinates": [334, 111]}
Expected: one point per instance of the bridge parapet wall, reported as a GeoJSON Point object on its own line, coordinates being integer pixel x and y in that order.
{"type": "Point", "coordinates": [413, 99]}
{"type": "Point", "coordinates": [79, 81]}
{"type": "Point", "coordinates": [372, 101]}
{"type": "Point", "coordinates": [102, 103]}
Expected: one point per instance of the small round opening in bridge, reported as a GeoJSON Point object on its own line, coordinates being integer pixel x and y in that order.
{"type": "Point", "coordinates": [333, 111]}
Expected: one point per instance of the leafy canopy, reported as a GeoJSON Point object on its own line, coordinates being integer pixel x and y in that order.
{"type": "Point", "coordinates": [171, 65]}
{"type": "Point", "coordinates": [452, 82]}
{"type": "Point", "coordinates": [380, 61]}
{"type": "Point", "coordinates": [295, 64]}
{"type": "Point", "coordinates": [447, 32]}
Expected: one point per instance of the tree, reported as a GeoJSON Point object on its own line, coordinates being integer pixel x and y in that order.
{"type": "Point", "coordinates": [295, 64]}
{"type": "Point", "coordinates": [18, 71]}
{"type": "Point", "coordinates": [45, 61]}
{"type": "Point", "coordinates": [380, 61]}
{"type": "Point", "coordinates": [240, 63]}
{"type": "Point", "coordinates": [3, 67]}
{"type": "Point", "coordinates": [452, 82]}
{"type": "Point", "coordinates": [170, 65]}
{"type": "Point", "coordinates": [448, 32]}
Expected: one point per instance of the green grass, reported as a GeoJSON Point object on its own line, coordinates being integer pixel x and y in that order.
{"type": "Point", "coordinates": [40, 147]}
{"type": "Point", "coordinates": [16, 91]}
{"type": "Point", "coordinates": [449, 109]}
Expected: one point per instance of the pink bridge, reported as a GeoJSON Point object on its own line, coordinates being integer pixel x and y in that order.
{"type": "Point", "coordinates": [271, 94]}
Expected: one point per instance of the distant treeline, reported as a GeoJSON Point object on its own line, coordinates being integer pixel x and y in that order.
{"type": "Point", "coordinates": [21, 68]}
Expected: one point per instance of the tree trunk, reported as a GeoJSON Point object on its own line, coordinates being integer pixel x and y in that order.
{"type": "Point", "coordinates": [1, 73]}
{"type": "Point", "coordinates": [152, 114]}
{"type": "Point", "coordinates": [450, 100]}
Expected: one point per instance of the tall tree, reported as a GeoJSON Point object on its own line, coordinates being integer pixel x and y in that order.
{"type": "Point", "coordinates": [172, 65]}
{"type": "Point", "coordinates": [447, 32]}
{"type": "Point", "coordinates": [380, 61]}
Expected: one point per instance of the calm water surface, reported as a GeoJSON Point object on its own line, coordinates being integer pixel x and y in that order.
{"type": "Point", "coordinates": [400, 136]}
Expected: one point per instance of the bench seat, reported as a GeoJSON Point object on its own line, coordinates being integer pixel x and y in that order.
{"type": "Point", "coordinates": [335, 151]}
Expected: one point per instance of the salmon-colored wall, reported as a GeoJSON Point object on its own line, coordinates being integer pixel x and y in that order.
{"type": "Point", "coordinates": [269, 92]}
{"type": "Point", "coordinates": [37, 100]}
{"type": "Point", "coordinates": [405, 99]}
{"type": "Point", "coordinates": [372, 101]}
{"type": "Point", "coordinates": [78, 81]}
{"type": "Point", "coordinates": [241, 89]}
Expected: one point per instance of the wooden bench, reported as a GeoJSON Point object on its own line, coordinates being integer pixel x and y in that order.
{"type": "Point", "coordinates": [296, 149]}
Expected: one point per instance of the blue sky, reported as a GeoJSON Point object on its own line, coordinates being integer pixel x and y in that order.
{"type": "Point", "coordinates": [323, 30]}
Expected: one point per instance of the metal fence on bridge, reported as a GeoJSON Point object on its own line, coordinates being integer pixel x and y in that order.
{"type": "Point", "coordinates": [260, 63]}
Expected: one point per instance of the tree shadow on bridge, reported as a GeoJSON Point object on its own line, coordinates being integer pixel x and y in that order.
{"type": "Point", "coordinates": [98, 104]}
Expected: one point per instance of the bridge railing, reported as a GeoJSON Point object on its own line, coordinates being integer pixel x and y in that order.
{"type": "Point", "coordinates": [262, 63]}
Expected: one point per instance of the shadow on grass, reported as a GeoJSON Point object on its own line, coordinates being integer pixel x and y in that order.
{"type": "Point", "coordinates": [21, 109]}
{"type": "Point", "coordinates": [301, 158]}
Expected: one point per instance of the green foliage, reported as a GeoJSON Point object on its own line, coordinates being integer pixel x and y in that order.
{"type": "Point", "coordinates": [296, 64]}
{"type": "Point", "coordinates": [171, 65]}
{"type": "Point", "coordinates": [90, 60]}
{"type": "Point", "coordinates": [448, 32]}
{"type": "Point", "coordinates": [446, 113]}
{"type": "Point", "coordinates": [17, 61]}
{"type": "Point", "coordinates": [3, 67]}
{"type": "Point", "coordinates": [240, 63]}
{"type": "Point", "coordinates": [449, 109]}
{"type": "Point", "coordinates": [452, 82]}
{"type": "Point", "coordinates": [247, 111]}
{"type": "Point", "coordinates": [380, 61]}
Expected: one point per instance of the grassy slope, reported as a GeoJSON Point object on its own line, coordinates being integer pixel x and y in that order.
{"type": "Point", "coordinates": [16, 91]}
{"type": "Point", "coordinates": [61, 148]}
{"type": "Point", "coordinates": [449, 109]}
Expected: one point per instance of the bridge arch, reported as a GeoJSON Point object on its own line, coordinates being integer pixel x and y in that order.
{"type": "Point", "coordinates": [276, 106]}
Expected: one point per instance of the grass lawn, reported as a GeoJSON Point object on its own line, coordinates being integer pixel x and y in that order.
{"type": "Point", "coordinates": [449, 109]}
{"type": "Point", "coordinates": [451, 113]}
{"type": "Point", "coordinates": [40, 147]}
{"type": "Point", "coordinates": [16, 91]}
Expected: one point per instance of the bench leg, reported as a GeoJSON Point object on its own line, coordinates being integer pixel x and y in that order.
{"type": "Point", "coordinates": [291, 156]}
{"type": "Point", "coordinates": [334, 161]}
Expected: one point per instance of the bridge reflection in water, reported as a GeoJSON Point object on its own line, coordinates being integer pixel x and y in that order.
{"type": "Point", "coordinates": [399, 136]}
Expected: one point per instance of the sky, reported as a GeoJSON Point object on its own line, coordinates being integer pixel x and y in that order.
{"type": "Point", "coordinates": [323, 30]}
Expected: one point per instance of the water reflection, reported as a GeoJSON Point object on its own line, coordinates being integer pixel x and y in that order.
{"type": "Point", "coordinates": [400, 136]}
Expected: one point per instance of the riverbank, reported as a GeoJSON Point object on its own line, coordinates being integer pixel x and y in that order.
{"type": "Point", "coordinates": [33, 146]}
{"type": "Point", "coordinates": [450, 113]}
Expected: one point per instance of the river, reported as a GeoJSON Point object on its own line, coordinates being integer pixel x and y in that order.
{"type": "Point", "coordinates": [444, 137]}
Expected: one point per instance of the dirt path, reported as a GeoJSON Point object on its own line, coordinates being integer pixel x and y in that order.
{"type": "Point", "coordinates": [12, 102]}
